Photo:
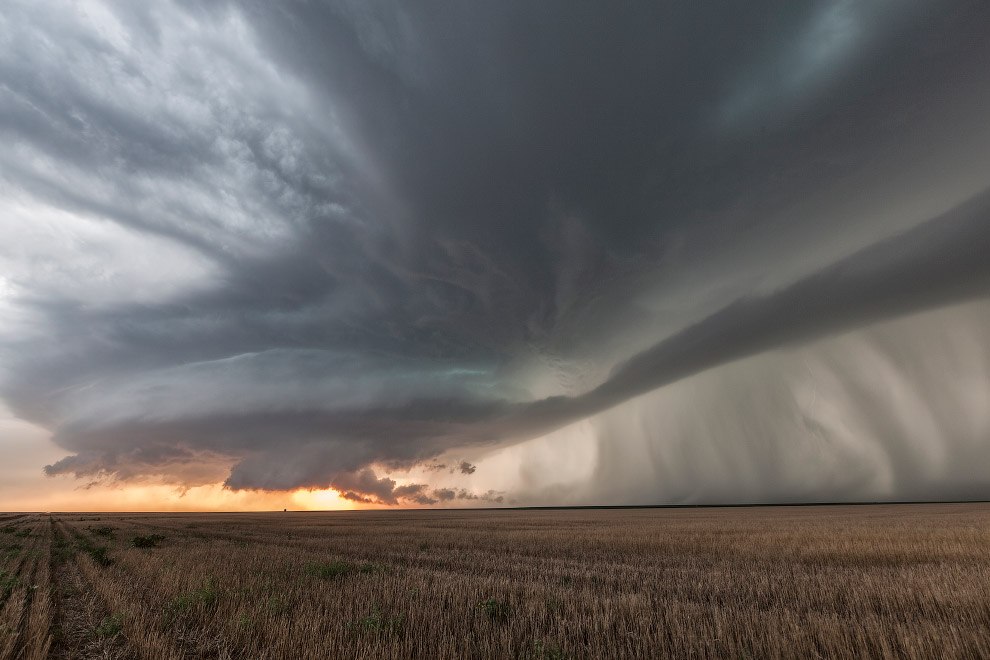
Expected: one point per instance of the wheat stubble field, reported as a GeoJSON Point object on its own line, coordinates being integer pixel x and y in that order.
{"type": "Point", "coordinates": [891, 581]}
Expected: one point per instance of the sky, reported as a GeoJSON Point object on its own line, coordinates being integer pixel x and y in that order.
{"type": "Point", "coordinates": [360, 254]}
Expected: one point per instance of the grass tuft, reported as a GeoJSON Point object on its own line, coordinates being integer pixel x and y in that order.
{"type": "Point", "coordinates": [540, 650]}
{"type": "Point", "coordinates": [99, 553]}
{"type": "Point", "coordinates": [205, 597]}
{"type": "Point", "coordinates": [150, 541]}
{"type": "Point", "coordinates": [329, 570]}
{"type": "Point", "coordinates": [8, 582]}
{"type": "Point", "coordinates": [110, 627]}
{"type": "Point", "coordinates": [495, 610]}
{"type": "Point", "coordinates": [377, 623]}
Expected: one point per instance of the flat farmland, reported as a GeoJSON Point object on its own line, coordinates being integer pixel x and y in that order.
{"type": "Point", "coordinates": [885, 581]}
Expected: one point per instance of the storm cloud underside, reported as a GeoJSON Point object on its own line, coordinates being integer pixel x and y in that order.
{"type": "Point", "coordinates": [300, 245]}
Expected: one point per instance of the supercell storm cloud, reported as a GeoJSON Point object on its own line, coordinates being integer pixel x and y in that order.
{"type": "Point", "coordinates": [521, 252]}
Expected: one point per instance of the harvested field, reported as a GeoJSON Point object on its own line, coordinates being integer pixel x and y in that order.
{"type": "Point", "coordinates": [891, 581]}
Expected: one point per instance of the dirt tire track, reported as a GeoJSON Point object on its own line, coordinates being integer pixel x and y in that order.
{"type": "Point", "coordinates": [17, 567]}
{"type": "Point", "coordinates": [81, 615]}
{"type": "Point", "coordinates": [18, 604]}
{"type": "Point", "coordinates": [39, 616]}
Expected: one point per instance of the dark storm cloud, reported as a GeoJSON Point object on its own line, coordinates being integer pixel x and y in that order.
{"type": "Point", "coordinates": [365, 419]}
{"type": "Point", "coordinates": [328, 236]}
{"type": "Point", "coordinates": [365, 487]}
{"type": "Point", "coordinates": [445, 494]}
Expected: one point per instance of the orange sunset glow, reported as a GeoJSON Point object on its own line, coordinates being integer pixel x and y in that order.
{"type": "Point", "coordinates": [25, 488]}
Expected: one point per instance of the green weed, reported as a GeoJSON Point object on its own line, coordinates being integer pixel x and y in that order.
{"type": "Point", "coordinates": [110, 627]}
{"type": "Point", "coordinates": [538, 650]}
{"type": "Point", "coordinates": [377, 623]}
{"type": "Point", "coordinates": [330, 570]}
{"type": "Point", "coordinates": [205, 596]}
{"type": "Point", "coordinates": [97, 552]}
{"type": "Point", "coordinates": [495, 610]}
{"type": "Point", "coordinates": [8, 582]}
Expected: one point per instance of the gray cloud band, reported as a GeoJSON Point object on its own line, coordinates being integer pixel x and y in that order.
{"type": "Point", "coordinates": [944, 261]}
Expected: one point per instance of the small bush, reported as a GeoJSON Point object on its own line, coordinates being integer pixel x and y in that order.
{"type": "Point", "coordinates": [151, 541]}
{"type": "Point", "coordinates": [105, 532]}
{"type": "Point", "coordinates": [99, 554]}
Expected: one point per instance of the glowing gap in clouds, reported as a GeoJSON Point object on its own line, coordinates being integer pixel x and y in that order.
{"type": "Point", "coordinates": [321, 500]}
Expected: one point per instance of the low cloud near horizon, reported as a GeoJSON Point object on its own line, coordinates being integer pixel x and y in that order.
{"type": "Point", "coordinates": [482, 255]}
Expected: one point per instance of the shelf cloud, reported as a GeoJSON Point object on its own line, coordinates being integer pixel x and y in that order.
{"type": "Point", "coordinates": [384, 248]}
